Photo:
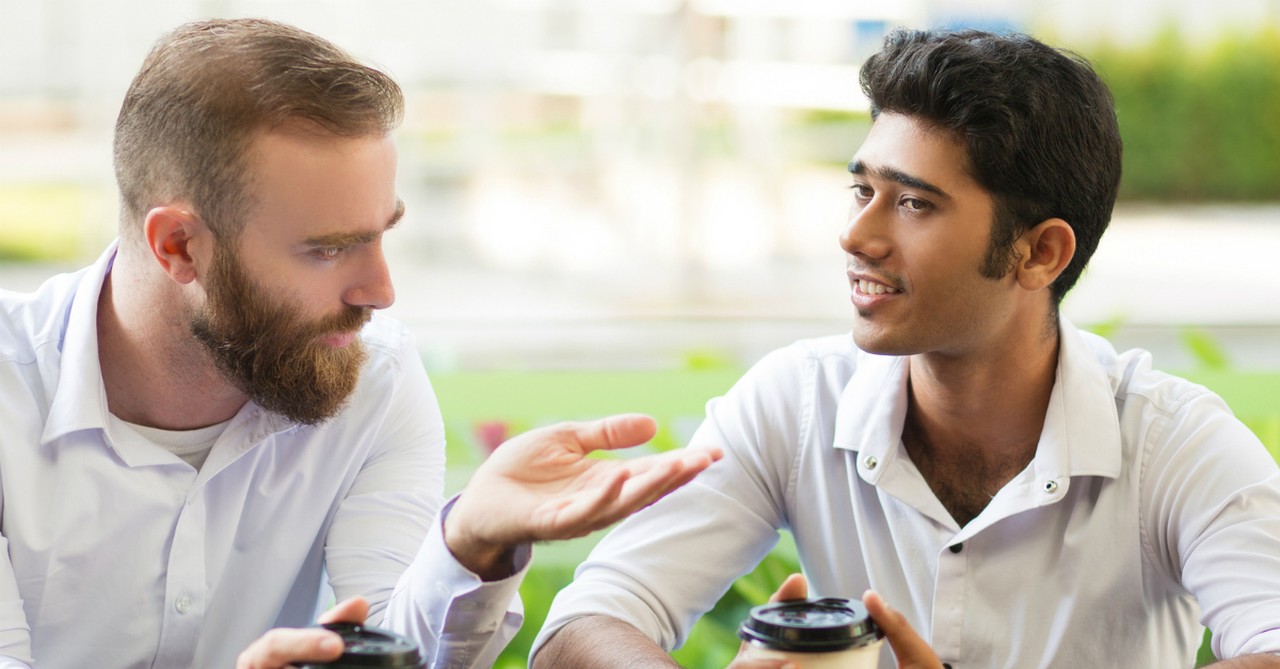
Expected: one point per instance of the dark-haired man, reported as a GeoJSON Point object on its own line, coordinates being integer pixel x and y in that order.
{"type": "Point", "coordinates": [1024, 495]}
{"type": "Point", "coordinates": [210, 420]}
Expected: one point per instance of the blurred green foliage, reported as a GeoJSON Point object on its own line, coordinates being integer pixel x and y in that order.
{"type": "Point", "coordinates": [1199, 123]}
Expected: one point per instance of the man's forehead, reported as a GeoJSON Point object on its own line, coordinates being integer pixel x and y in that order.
{"type": "Point", "coordinates": [898, 144]}
{"type": "Point", "coordinates": [305, 185]}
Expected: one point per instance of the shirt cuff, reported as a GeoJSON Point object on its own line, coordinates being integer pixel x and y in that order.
{"type": "Point", "coordinates": [473, 605]}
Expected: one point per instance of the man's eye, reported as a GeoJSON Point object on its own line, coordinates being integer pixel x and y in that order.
{"type": "Point", "coordinates": [328, 252]}
{"type": "Point", "coordinates": [861, 192]}
{"type": "Point", "coordinates": [912, 204]}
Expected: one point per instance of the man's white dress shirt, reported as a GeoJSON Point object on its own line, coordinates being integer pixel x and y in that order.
{"type": "Point", "coordinates": [117, 553]}
{"type": "Point", "coordinates": [1145, 496]}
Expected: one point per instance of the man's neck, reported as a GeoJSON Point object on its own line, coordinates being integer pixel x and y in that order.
{"type": "Point", "coordinates": [154, 371]}
{"type": "Point", "coordinates": [995, 397]}
{"type": "Point", "coordinates": [974, 422]}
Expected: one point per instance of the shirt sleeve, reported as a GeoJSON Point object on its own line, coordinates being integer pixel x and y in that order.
{"type": "Point", "coordinates": [385, 541]}
{"type": "Point", "coordinates": [468, 621]}
{"type": "Point", "coordinates": [1214, 517]}
{"type": "Point", "coordinates": [667, 565]}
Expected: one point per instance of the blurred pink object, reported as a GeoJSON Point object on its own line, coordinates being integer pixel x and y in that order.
{"type": "Point", "coordinates": [491, 434]}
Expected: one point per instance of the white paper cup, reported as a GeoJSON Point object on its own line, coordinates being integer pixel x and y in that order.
{"type": "Point", "coordinates": [829, 633]}
{"type": "Point", "coordinates": [863, 657]}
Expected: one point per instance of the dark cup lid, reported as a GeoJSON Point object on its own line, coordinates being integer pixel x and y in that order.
{"type": "Point", "coordinates": [811, 625]}
{"type": "Point", "coordinates": [371, 647]}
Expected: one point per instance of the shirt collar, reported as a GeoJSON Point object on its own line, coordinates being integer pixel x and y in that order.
{"type": "Point", "coordinates": [80, 401]}
{"type": "Point", "coordinates": [873, 406]}
{"type": "Point", "coordinates": [1081, 434]}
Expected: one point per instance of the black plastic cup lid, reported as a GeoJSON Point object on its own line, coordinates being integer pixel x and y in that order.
{"type": "Point", "coordinates": [371, 647]}
{"type": "Point", "coordinates": [811, 625]}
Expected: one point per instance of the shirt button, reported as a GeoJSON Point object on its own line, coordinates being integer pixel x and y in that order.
{"type": "Point", "coordinates": [955, 548]}
{"type": "Point", "coordinates": [870, 462]}
{"type": "Point", "coordinates": [183, 604]}
{"type": "Point", "coordinates": [1051, 487]}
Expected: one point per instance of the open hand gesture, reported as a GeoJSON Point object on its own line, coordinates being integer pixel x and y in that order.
{"type": "Point", "coordinates": [541, 486]}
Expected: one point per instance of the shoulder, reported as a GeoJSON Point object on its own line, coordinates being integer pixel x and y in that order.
{"type": "Point", "coordinates": [1138, 386]}
{"type": "Point", "coordinates": [393, 395]}
{"type": "Point", "coordinates": [808, 359]}
{"type": "Point", "coordinates": [389, 344]}
{"type": "Point", "coordinates": [1176, 424]}
{"type": "Point", "coordinates": [30, 321]}
{"type": "Point", "coordinates": [393, 370]}
{"type": "Point", "coordinates": [791, 381]}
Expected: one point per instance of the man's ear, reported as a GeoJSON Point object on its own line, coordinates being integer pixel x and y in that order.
{"type": "Point", "coordinates": [178, 240]}
{"type": "Point", "coordinates": [1044, 251]}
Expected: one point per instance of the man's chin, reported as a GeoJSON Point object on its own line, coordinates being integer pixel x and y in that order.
{"type": "Point", "coordinates": [312, 414]}
{"type": "Point", "coordinates": [314, 391]}
{"type": "Point", "coordinates": [879, 342]}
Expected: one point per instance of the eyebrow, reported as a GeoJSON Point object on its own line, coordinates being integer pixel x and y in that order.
{"type": "Point", "coordinates": [890, 174]}
{"type": "Point", "coordinates": [356, 238]}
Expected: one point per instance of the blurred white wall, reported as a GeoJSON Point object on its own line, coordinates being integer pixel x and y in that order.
{"type": "Point", "coordinates": [637, 175]}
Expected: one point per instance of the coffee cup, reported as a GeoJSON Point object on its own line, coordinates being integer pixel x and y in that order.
{"type": "Point", "coordinates": [829, 633]}
{"type": "Point", "coordinates": [365, 647]}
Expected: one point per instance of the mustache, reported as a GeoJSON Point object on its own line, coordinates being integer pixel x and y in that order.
{"type": "Point", "coordinates": [347, 320]}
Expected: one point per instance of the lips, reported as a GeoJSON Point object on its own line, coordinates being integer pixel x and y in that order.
{"type": "Point", "coordinates": [339, 339]}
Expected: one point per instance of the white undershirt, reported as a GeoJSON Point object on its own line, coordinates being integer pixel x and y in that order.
{"type": "Point", "coordinates": [192, 446]}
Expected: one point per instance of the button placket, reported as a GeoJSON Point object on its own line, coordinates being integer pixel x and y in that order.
{"type": "Point", "coordinates": [949, 603]}
{"type": "Point", "coordinates": [184, 584]}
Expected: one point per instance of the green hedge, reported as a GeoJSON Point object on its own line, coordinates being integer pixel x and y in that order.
{"type": "Point", "coordinates": [1199, 123]}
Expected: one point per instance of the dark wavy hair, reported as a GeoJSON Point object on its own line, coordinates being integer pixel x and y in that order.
{"type": "Point", "coordinates": [1038, 124]}
{"type": "Point", "coordinates": [205, 91]}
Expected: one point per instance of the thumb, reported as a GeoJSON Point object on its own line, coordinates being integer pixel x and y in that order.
{"type": "Point", "coordinates": [618, 431]}
{"type": "Point", "coordinates": [795, 587]}
{"type": "Point", "coordinates": [912, 651]}
{"type": "Point", "coordinates": [350, 610]}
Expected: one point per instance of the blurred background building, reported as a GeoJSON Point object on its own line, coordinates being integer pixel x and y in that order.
{"type": "Point", "coordinates": [639, 183]}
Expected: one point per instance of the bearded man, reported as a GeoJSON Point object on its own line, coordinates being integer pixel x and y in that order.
{"type": "Point", "coordinates": [210, 420]}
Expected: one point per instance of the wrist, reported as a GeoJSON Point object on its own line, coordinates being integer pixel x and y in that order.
{"type": "Point", "coordinates": [491, 561]}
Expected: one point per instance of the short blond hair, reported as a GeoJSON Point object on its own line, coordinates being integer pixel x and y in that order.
{"type": "Point", "coordinates": [204, 92]}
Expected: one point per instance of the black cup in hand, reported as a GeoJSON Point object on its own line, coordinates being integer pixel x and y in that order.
{"type": "Point", "coordinates": [370, 647]}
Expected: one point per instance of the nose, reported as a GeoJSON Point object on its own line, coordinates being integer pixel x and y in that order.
{"type": "Point", "coordinates": [865, 234]}
{"type": "Point", "coordinates": [372, 288]}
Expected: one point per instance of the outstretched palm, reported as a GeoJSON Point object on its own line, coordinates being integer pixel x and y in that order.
{"type": "Point", "coordinates": [541, 485]}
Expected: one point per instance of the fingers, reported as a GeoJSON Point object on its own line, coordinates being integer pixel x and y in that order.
{"type": "Point", "coordinates": [652, 477]}
{"type": "Point", "coordinates": [618, 431]}
{"type": "Point", "coordinates": [280, 648]}
{"type": "Point", "coordinates": [912, 651]}
{"type": "Point", "coordinates": [795, 587]}
{"type": "Point", "coordinates": [350, 610]}
{"type": "Point", "coordinates": [629, 487]}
